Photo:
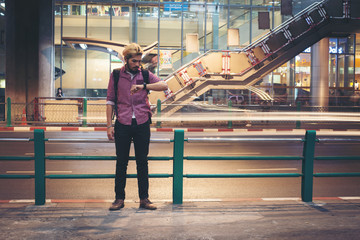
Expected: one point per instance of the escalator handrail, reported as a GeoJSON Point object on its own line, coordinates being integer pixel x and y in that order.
{"type": "Point", "coordinates": [283, 25]}
{"type": "Point", "coordinates": [252, 45]}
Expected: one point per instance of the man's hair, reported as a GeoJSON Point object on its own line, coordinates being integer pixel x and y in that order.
{"type": "Point", "coordinates": [132, 50]}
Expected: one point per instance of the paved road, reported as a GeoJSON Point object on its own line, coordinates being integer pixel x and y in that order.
{"type": "Point", "coordinates": [193, 188]}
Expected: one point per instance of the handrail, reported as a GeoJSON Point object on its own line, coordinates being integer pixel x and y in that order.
{"type": "Point", "coordinates": [307, 173]}
{"type": "Point", "coordinates": [207, 139]}
{"type": "Point", "coordinates": [99, 140]}
{"type": "Point", "coordinates": [339, 140]}
{"type": "Point", "coordinates": [15, 139]}
{"type": "Point", "coordinates": [283, 25]}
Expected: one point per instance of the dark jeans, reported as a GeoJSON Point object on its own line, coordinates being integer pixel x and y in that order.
{"type": "Point", "coordinates": [140, 135]}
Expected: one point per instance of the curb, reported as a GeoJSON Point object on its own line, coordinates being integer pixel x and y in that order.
{"type": "Point", "coordinates": [96, 129]}
{"type": "Point", "coordinates": [185, 200]}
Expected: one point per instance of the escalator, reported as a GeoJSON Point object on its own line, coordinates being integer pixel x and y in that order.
{"type": "Point", "coordinates": [242, 69]}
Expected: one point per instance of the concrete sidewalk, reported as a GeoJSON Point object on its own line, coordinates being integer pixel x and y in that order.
{"type": "Point", "coordinates": [326, 219]}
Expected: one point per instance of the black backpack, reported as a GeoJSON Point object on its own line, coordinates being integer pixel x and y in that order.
{"type": "Point", "coordinates": [116, 75]}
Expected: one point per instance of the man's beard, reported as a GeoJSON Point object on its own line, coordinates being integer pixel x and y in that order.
{"type": "Point", "coordinates": [131, 70]}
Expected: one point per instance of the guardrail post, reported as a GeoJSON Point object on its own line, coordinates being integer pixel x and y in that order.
{"type": "Point", "coordinates": [298, 109]}
{"type": "Point", "coordinates": [230, 124]}
{"type": "Point", "coordinates": [158, 109]}
{"type": "Point", "coordinates": [39, 150]}
{"type": "Point", "coordinates": [178, 166]}
{"type": "Point", "coordinates": [308, 166]}
{"type": "Point", "coordinates": [8, 113]}
{"type": "Point", "coordinates": [84, 120]}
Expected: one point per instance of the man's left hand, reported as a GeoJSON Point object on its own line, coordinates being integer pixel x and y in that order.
{"type": "Point", "coordinates": [136, 88]}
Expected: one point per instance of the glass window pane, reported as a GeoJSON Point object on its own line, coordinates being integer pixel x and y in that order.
{"type": "Point", "coordinates": [332, 70]}
{"type": "Point", "coordinates": [147, 25]}
{"type": "Point", "coordinates": [357, 59]}
{"type": "Point", "coordinates": [346, 71]}
{"type": "Point", "coordinates": [74, 67]}
{"type": "Point", "coordinates": [240, 18]}
{"type": "Point", "coordinates": [195, 24]}
{"type": "Point", "coordinates": [262, 2]}
{"type": "Point", "coordinates": [98, 22]}
{"type": "Point", "coordinates": [216, 27]}
{"type": "Point", "coordinates": [121, 23]}
{"type": "Point", "coordinates": [97, 72]}
{"type": "Point", "coordinates": [74, 18]}
{"type": "Point", "coordinates": [278, 19]}
{"type": "Point", "coordinates": [333, 45]}
{"type": "Point", "coordinates": [170, 24]}
{"type": "Point", "coordinates": [346, 45]}
{"type": "Point", "coordinates": [57, 24]}
{"type": "Point", "coordinates": [240, 2]}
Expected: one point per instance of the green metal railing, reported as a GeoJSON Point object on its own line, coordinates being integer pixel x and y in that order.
{"type": "Point", "coordinates": [307, 174]}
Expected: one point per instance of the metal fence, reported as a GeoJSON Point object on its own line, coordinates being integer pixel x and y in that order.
{"type": "Point", "coordinates": [92, 112]}
{"type": "Point", "coordinates": [306, 175]}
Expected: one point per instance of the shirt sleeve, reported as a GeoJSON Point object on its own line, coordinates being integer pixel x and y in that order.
{"type": "Point", "coordinates": [110, 97]}
{"type": "Point", "coordinates": [153, 78]}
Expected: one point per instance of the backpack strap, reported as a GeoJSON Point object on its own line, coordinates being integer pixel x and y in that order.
{"type": "Point", "coordinates": [116, 75]}
{"type": "Point", "coordinates": [145, 74]}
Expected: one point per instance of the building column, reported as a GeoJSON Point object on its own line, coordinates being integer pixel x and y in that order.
{"type": "Point", "coordinates": [29, 50]}
{"type": "Point", "coordinates": [319, 87]}
{"type": "Point", "coordinates": [290, 80]}
{"type": "Point", "coordinates": [133, 25]}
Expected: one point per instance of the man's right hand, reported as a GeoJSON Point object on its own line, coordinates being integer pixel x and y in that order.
{"type": "Point", "coordinates": [110, 133]}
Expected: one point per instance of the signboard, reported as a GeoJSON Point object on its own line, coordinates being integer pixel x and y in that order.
{"type": "Point", "coordinates": [175, 6]}
{"type": "Point", "coordinates": [332, 50]}
{"type": "Point", "coordinates": [165, 59]}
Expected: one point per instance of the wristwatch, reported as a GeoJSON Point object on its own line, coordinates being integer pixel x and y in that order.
{"type": "Point", "coordinates": [144, 85]}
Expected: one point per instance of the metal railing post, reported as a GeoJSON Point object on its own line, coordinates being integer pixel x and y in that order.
{"type": "Point", "coordinates": [308, 166]}
{"type": "Point", "coordinates": [178, 166]}
{"type": "Point", "coordinates": [158, 109]}
{"type": "Point", "coordinates": [230, 124]}
{"type": "Point", "coordinates": [39, 150]}
{"type": "Point", "coordinates": [8, 113]}
{"type": "Point", "coordinates": [84, 120]}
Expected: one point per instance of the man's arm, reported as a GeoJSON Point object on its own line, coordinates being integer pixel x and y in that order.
{"type": "Point", "coordinates": [158, 86]}
{"type": "Point", "coordinates": [110, 128]}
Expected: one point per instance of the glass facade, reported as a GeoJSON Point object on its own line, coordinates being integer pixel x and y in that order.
{"type": "Point", "coordinates": [291, 82]}
{"type": "Point", "coordinates": [144, 22]}
{"type": "Point", "coordinates": [168, 23]}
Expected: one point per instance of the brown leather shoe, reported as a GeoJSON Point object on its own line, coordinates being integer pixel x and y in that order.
{"type": "Point", "coordinates": [146, 204]}
{"type": "Point", "coordinates": [117, 205]}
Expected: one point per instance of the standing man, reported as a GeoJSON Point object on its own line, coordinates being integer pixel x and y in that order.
{"type": "Point", "coordinates": [132, 123]}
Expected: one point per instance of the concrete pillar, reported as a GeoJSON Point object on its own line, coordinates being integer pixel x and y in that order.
{"type": "Point", "coordinates": [133, 25]}
{"type": "Point", "coordinates": [319, 87]}
{"type": "Point", "coordinates": [46, 49]}
{"type": "Point", "coordinates": [290, 80]}
{"type": "Point", "coordinates": [29, 50]}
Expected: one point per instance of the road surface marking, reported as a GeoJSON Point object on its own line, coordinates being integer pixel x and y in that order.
{"type": "Point", "coordinates": [22, 201]}
{"type": "Point", "coordinates": [268, 169]}
{"type": "Point", "coordinates": [57, 154]}
{"type": "Point", "coordinates": [349, 198]}
{"type": "Point", "coordinates": [32, 172]}
{"type": "Point", "coordinates": [234, 154]}
{"type": "Point", "coordinates": [281, 199]}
